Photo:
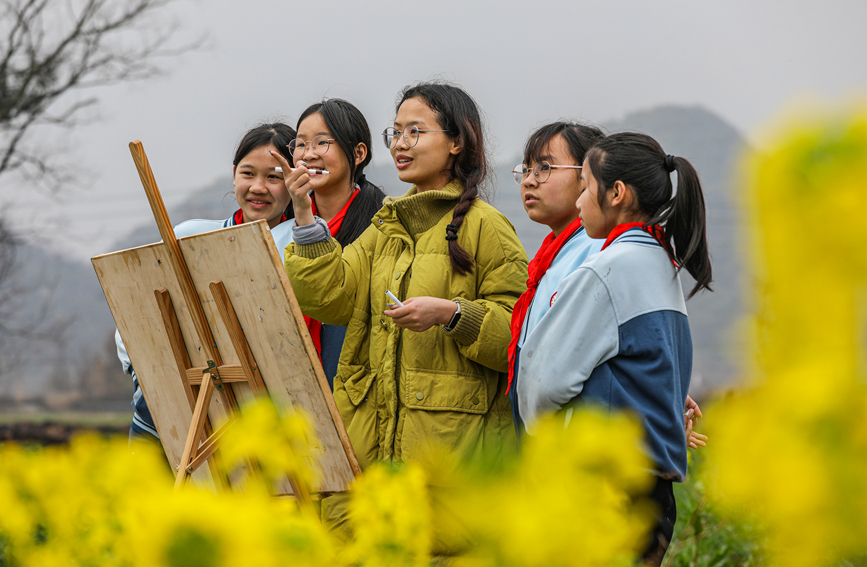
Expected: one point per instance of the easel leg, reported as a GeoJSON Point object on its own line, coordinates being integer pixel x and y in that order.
{"type": "Point", "coordinates": [182, 359]}
{"type": "Point", "coordinates": [200, 414]}
{"type": "Point", "coordinates": [254, 378]}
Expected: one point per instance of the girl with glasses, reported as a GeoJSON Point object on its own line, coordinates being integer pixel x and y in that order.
{"type": "Point", "coordinates": [618, 335]}
{"type": "Point", "coordinates": [331, 150]}
{"type": "Point", "coordinates": [550, 183]}
{"type": "Point", "coordinates": [428, 374]}
{"type": "Point", "coordinates": [261, 195]}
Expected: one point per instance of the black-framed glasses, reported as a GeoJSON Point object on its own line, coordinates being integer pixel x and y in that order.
{"type": "Point", "coordinates": [318, 144]}
{"type": "Point", "coordinates": [541, 171]}
{"type": "Point", "coordinates": [410, 135]}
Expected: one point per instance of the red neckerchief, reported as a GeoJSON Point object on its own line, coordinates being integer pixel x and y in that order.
{"type": "Point", "coordinates": [538, 266]}
{"type": "Point", "coordinates": [335, 223]}
{"type": "Point", "coordinates": [654, 230]}
{"type": "Point", "coordinates": [238, 217]}
{"type": "Point", "coordinates": [314, 326]}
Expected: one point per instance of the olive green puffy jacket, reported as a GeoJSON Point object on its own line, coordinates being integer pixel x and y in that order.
{"type": "Point", "coordinates": [398, 390]}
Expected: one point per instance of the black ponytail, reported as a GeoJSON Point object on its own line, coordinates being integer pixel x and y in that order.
{"type": "Point", "coordinates": [458, 114]}
{"type": "Point", "coordinates": [639, 162]}
{"type": "Point", "coordinates": [361, 211]}
{"type": "Point", "coordinates": [349, 128]}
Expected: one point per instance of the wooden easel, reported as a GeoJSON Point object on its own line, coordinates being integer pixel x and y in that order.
{"type": "Point", "coordinates": [201, 383]}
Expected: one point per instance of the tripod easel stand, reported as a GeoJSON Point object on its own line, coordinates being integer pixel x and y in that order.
{"type": "Point", "coordinates": [224, 321]}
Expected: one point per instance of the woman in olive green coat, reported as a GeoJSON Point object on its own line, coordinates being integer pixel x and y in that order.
{"type": "Point", "coordinates": [429, 374]}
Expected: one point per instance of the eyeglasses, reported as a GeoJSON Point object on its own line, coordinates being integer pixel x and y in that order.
{"type": "Point", "coordinates": [541, 171]}
{"type": "Point", "coordinates": [410, 135]}
{"type": "Point", "coordinates": [319, 145]}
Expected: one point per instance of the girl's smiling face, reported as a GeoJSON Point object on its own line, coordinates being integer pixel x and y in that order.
{"type": "Point", "coordinates": [427, 163]}
{"type": "Point", "coordinates": [259, 187]}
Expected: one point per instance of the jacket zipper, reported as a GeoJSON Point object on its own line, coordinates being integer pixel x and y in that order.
{"type": "Point", "coordinates": [401, 295]}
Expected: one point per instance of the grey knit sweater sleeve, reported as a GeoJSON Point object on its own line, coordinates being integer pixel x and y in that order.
{"type": "Point", "coordinates": [311, 233]}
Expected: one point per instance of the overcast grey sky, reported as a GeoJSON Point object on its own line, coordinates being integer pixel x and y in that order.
{"type": "Point", "coordinates": [526, 63]}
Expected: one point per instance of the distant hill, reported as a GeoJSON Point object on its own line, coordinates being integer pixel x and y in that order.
{"type": "Point", "coordinates": [707, 141]}
{"type": "Point", "coordinates": [66, 298]}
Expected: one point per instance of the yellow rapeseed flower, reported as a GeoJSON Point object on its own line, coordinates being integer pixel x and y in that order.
{"type": "Point", "coordinates": [572, 500]}
{"type": "Point", "coordinates": [390, 514]}
{"type": "Point", "coordinates": [793, 447]}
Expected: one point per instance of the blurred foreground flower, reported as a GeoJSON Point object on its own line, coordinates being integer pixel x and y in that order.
{"type": "Point", "coordinates": [569, 501]}
{"type": "Point", "coordinates": [793, 448]}
{"type": "Point", "coordinates": [96, 504]}
{"type": "Point", "coordinates": [279, 444]}
{"type": "Point", "coordinates": [573, 498]}
{"type": "Point", "coordinates": [391, 517]}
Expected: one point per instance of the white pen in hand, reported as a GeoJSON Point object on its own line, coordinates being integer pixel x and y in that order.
{"type": "Point", "coordinates": [396, 301]}
{"type": "Point", "coordinates": [312, 171]}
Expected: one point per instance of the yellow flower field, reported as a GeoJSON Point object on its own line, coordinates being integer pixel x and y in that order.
{"type": "Point", "coordinates": [787, 454]}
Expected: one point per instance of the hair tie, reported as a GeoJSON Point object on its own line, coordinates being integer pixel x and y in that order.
{"type": "Point", "coordinates": [451, 232]}
{"type": "Point", "coordinates": [669, 163]}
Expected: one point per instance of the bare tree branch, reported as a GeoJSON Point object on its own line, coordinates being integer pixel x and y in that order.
{"type": "Point", "coordinates": [52, 48]}
{"type": "Point", "coordinates": [49, 50]}
{"type": "Point", "coordinates": [20, 332]}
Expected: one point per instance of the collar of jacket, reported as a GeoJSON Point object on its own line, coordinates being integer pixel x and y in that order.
{"type": "Point", "coordinates": [417, 212]}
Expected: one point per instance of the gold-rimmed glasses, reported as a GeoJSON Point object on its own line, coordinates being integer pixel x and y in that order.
{"type": "Point", "coordinates": [541, 171]}
{"type": "Point", "coordinates": [410, 135]}
{"type": "Point", "coordinates": [319, 145]}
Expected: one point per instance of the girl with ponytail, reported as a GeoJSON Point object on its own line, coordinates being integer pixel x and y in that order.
{"type": "Point", "coordinates": [429, 373]}
{"type": "Point", "coordinates": [618, 335]}
{"type": "Point", "coordinates": [333, 136]}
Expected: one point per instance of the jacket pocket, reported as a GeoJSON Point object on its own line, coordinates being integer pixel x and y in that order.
{"type": "Point", "coordinates": [353, 385]}
{"type": "Point", "coordinates": [356, 380]}
{"type": "Point", "coordinates": [438, 390]}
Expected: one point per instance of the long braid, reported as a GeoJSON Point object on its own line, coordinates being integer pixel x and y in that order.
{"type": "Point", "coordinates": [461, 260]}
{"type": "Point", "coordinates": [470, 167]}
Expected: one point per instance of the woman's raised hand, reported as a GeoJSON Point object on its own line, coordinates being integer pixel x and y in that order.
{"type": "Point", "coordinates": [298, 185]}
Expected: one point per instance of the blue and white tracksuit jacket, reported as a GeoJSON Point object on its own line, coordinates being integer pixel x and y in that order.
{"type": "Point", "coordinates": [332, 336]}
{"type": "Point", "coordinates": [573, 253]}
{"type": "Point", "coordinates": [617, 336]}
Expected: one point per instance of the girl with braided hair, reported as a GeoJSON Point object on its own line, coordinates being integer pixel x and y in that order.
{"type": "Point", "coordinates": [431, 372]}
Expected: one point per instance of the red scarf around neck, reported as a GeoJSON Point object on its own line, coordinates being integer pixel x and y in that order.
{"type": "Point", "coordinates": [238, 217]}
{"type": "Point", "coordinates": [335, 223]}
{"type": "Point", "coordinates": [654, 230]}
{"type": "Point", "coordinates": [314, 326]}
{"type": "Point", "coordinates": [538, 266]}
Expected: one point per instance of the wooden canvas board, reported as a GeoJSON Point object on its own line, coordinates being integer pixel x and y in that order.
{"type": "Point", "coordinates": [246, 260]}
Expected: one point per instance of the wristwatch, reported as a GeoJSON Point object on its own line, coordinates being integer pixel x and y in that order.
{"type": "Point", "coordinates": [455, 318]}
